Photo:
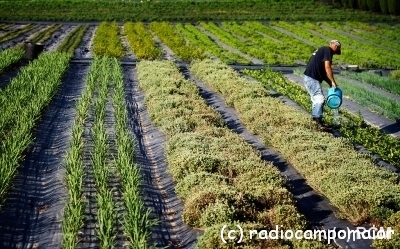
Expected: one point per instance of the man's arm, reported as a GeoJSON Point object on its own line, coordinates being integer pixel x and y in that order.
{"type": "Point", "coordinates": [329, 74]}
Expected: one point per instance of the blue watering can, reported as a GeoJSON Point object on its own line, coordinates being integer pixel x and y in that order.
{"type": "Point", "coordinates": [334, 99]}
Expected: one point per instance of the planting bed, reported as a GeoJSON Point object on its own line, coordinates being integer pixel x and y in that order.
{"type": "Point", "coordinates": [32, 214]}
{"type": "Point", "coordinates": [140, 136]}
{"type": "Point", "coordinates": [158, 185]}
{"type": "Point", "coordinates": [318, 210]}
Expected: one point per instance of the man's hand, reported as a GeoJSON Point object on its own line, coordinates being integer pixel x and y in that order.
{"type": "Point", "coordinates": [329, 74]}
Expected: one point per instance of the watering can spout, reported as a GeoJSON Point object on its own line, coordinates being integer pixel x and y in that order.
{"type": "Point", "coordinates": [334, 99]}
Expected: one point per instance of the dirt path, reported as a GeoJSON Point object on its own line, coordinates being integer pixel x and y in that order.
{"type": "Point", "coordinates": [158, 185]}
{"type": "Point", "coordinates": [317, 209]}
{"type": "Point", "coordinates": [33, 211]}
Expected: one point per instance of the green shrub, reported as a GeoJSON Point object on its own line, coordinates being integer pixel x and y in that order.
{"type": "Point", "coordinates": [382, 213]}
{"type": "Point", "coordinates": [394, 242]}
{"type": "Point", "coordinates": [197, 182]}
{"type": "Point", "coordinates": [260, 176]}
{"type": "Point", "coordinates": [395, 74]}
{"type": "Point", "coordinates": [217, 213]}
{"type": "Point", "coordinates": [373, 5]}
{"type": "Point", "coordinates": [384, 6]}
{"type": "Point", "coordinates": [266, 188]}
{"type": "Point", "coordinates": [394, 7]}
{"type": "Point", "coordinates": [201, 203]}
{"type": "Point", "coordinates": [287, 217]}
{"type": "Point", "coordinates": [188, 162]}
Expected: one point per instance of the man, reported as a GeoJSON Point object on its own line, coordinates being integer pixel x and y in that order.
{"type": "Point", "coordinates": [319, 68]}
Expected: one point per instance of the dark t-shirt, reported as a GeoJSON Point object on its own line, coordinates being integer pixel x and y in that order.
{"type": "Point", "coordinates": [316, 65]}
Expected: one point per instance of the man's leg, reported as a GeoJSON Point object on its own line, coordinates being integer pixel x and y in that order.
{"type": "Point", "coordinates": [317, 97]}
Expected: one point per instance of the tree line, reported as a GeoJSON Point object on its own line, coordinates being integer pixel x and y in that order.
{"type": "Point", "coordinates": [391, 7]}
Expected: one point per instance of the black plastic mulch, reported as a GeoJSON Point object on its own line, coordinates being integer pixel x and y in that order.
{"type": "Point", "coordinates": [158, 185]}
{"type": "Point", "coordinates": [33, 211]}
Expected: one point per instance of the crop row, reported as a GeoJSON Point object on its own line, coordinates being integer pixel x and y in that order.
{"type": "Point", "coordinates": [220, 177]}
{"type": "Point", "coordinates": [101, 165]}
{"type": "Point", "coordinates": [374, 101]}
{"type": "Point", "coordinates": [284, 46]}
{"type": "Point", "coordinates": [107, 42]}
{"type": "Point", "coordinates": [354, 128]}
{"type": "Point", "coordinates": [351, 53]}
{"type": "Point", "coordinates": [136, 220]}
{"type": "Point", "coordinates": [9, 57]}
{"type": "Point", "coordinates": [260, 41]}
{"type": "Point", "coordinates": [384, 30]}
{"type": "Point", "coordinates": [45, 34]}
{"type": "Point", "coordinates": [141, 41]}
{"type": "Point", "coordinates": [201, 40]}
{"type": "Point", "coordinates": [5, 26]}
{"type": "Point", "coordinates": [175, 41]}
{"type": "Point", "coordinates": [17, 32]}
{"type": "Point", "coordinates": [72, 41]}
{"type": "Point", "coordinates": [298, 30]}
{"type": "Point", "coordinates": [26, 95]}
{"type": "Point", "coordinates": [292, 48]}
{"type": "Point", "coordinates": [74, 178]}
{"type": "Point", "coordinates": [275, 47]}
{"type": "Point", "coordinates": [368, 33]}
{"type": "Point", "coordinates": [386, 83]}
{"type": "Point", "coordinates": [273, 51]}
{"type": "Point", "coordinates": [372, 56]}
{"type": "Point", "coordinates": [361, 191]}
{"type": "Point", "coordinates": [235, 42]}
{"type": "Point", "coordinates": [105, 74]}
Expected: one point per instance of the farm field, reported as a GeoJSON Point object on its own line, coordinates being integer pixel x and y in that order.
{"type": "Point", "coordinates": [157, 134]}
